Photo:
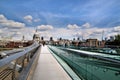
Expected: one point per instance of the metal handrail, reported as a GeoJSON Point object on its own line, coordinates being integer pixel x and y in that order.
{"type": "Point", "coordinates": [87, 65]}
{"type": "Point", "coordinates": [16, 61]}
{"type": "Point", "coordinates": [28, 71]}
{"type": "Point", "coordinates": [94, 55]}
{"type": "Point", "coordinates": [11, 51]}
{"type": "Point", "coordinates": [4, 54]}
{"type": "Point", "coordinates": [17, 55]}
{"type": "Point", "coordinates": [114, 61]}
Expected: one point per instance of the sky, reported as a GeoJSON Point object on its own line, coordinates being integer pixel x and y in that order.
{"type": "Point", "coordinates": [59, 18]}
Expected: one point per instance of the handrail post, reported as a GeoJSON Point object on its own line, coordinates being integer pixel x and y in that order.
{"type": "Point", "coordinates": [23, 64]}
{"type": "Point", "coordinates": [13, 72]}
{"type": "Point", "coordinates": [28, 56]}
{"type": "Point", "coordinates": [15, 61]}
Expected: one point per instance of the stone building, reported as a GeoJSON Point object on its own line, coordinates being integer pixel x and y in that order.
{"type": "Point", "coordinates": [36, 37]}
{"type": "Point", "coordinates": [92, 42]}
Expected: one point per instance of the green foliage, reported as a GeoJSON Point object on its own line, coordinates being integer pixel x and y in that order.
{"type": "Point", "coordinates": [116, 42]}
{"type": "Point", "coordinates": [117, 38]}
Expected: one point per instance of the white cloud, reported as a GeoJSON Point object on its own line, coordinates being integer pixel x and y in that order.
{"type": "Point", "coordinates": [77, 34]}
{"type": "Point", "coordinates": [18, 34]}
{"type": "Point", "coordinates": [2, 17]}
{"type": "Point", "coordinates": [44, 27]}
{"type": "Point", "coordinates": [28, 18]}
{"type": "Point", "coordinates": [4, 22]}
{"type": "Point", "coordinates": [94, 32]}
{"type": "Point", "coordinates": [52, 15]}
{"type": "Point", "coordinates": [86, 25]}
{"type": "Point", "coordinates": [73, 26]}
{"type": "Point", "coordinates": [46, 35]}
{"type": "Point", "coordinates": [71, 33]}
{"type": "Point", "coordinates": [48, 31]}
{"type": "Point", "coordinates": [116, 29]}
{"type": "Point", "coordinates": [1, 31]}
{"type": "Point", "coordinates": [36, 20]}
{"type": "Point", "coordinates": [16, 30]}
{"type": "Point", "coordinates": [11, 28]}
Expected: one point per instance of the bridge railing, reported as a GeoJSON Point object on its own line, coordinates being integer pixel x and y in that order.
{"type": "Point", "coordinates": [90, 65]}
{"type": "Point", "coordinates": [4, 54]}
{"type": "Point", "coordinates": [11, 66]}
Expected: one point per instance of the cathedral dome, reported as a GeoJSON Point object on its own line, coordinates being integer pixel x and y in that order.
{"type": "Point", "coordinates": [36, 35]}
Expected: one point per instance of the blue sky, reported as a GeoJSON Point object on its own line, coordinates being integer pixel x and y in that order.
{"type": "Point", "coordinates": [99, 14]}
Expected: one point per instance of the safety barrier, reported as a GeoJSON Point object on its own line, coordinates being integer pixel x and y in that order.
{"type": "Point", "coordinates": [12, 65]}
{"type": "Point", "coordinates": [89, 65]}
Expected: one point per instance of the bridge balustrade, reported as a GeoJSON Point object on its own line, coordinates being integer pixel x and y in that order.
{"type": "Point", "coordinates": [16, 65]}
{"type": "Point", "coordinates": [88, 66]}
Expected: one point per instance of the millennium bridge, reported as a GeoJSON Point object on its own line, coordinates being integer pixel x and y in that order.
{"type": "Point", "coordinates": [38, 62]}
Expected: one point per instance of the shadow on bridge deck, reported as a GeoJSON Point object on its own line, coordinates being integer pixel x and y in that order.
{"type": "Point", "coordinates": [48, 68]}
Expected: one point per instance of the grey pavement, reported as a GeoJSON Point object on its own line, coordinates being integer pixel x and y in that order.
{"type": "Point", "coordinates": [48, 68]}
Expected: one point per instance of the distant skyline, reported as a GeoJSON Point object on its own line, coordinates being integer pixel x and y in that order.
{"type": "Point", "coordinates": [59, 18]}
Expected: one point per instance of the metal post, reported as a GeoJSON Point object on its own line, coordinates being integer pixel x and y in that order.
{"type": "Point", "coordinates": [23, 64]}
{"type": "Point", "coordinates": [28, 57]}
{"type": "Point", "coordinates": [13, 72]}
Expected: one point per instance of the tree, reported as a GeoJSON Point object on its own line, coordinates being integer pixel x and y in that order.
{"type": "Point", "coordinates": [116, 41]}
{"type": "Point", "coordinates": [117, 38]}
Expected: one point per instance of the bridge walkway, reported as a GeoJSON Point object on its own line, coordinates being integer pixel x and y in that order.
{"type": "Point", "coordinates": [48, 68]}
